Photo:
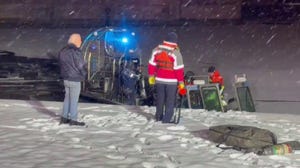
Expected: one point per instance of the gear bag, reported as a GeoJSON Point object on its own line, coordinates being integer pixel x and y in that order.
{"type": "Point", "coordinates": [241, 137]}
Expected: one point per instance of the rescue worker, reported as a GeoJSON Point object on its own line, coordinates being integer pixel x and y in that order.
{"type": "Point", "coordinates": [215, 77]}
{"type": "Point", "coordinates": [166, 71]}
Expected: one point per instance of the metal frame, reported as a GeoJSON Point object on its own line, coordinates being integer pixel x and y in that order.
{"type": "Point", "coordinates": [241, 85]}
{"type": "Point", "coordinates": [192, 88]}
{"type": "Point", "coordinates": [193, 85]}
{"type": "Point", "coordinates": [241, 81]}
{"type": "Point", "coordinates": [205, 78]}
{"type": "Point", "coordinates": [218, 90]}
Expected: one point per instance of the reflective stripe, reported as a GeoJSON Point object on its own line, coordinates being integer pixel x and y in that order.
{"type": "Point", "coordinates": [166, 80]}
{"type": "Point", "coordinates": [166, 47]}
{"type": "Point", "coordinates": [155, 52]}
{"type": "Point", "coordinates": [170, 43]}
{"type": "Point", "coordinates": [164, 65]}
{"type": "Point", "coordinates": [152, 63]}
{"type": "Point", "coordinates": [179, 67]}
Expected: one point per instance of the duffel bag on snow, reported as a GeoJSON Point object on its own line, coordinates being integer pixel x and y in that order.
{"type": "Point", "coordinates": [241, 137]}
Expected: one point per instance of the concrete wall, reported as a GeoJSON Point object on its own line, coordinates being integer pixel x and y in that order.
{"type": "Point", "coordinates": [51, 12]}
{"type": "Point", "coordinates": [268, 54]}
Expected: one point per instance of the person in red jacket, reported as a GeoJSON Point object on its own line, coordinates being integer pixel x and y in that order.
{"type": "Point", "coordinates": [215, 77]}
{"type": "Point", "coordinates": [166, 71]}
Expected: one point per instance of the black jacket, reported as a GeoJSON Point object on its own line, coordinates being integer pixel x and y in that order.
{"type": "Point", "coordinates": [72, 64]}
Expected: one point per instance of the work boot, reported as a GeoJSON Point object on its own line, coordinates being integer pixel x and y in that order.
{"type": "Point", "coordinates": [72, 122]}
{"type": "Point", "coordinates": [64, 120]}
{"type": "Point", "coordinates": [158, 118]}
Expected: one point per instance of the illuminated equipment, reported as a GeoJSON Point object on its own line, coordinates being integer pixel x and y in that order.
{"type": "Point", "coordinates": [107, 51]}
{"type": "Point", "coordinates": [203, 95]}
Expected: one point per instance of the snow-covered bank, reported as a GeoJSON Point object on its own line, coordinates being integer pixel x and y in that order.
{"type": "Point", "coordinates": [119, 137]}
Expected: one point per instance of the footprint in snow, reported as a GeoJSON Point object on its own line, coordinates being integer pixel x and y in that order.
{"type": "Point", "coordinates": [166, 137]}
{"type": "Point", "coordinates": [170, 158]}
{"type": "Point", "coordinates": [116, 157]}
{"type": "Point", "coordinates": [144, 140]}
{"type": "Point", "coordinates": [138, 148]}
{"type": "Point", "coordinates": [135, 134]}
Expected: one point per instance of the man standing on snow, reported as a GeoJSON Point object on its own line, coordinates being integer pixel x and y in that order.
{"type": "Point", "coordinates": [73, 71]}
{"type": "Point", "coordinates": [166, 71]}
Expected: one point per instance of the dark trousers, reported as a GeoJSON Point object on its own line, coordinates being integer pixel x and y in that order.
{"type": "Point", "coordinates": [165, 102]}
{"type": "Point", "coordinates": [129, 86]}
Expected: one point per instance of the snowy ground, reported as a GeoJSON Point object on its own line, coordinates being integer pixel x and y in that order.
{"type": "Point", "coordinates": [122, 137]}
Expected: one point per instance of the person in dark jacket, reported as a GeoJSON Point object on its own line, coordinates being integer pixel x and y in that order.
{"type": "Point", "coordinates": [166, 71]}
{"type": "Point", "coordinates": [73, 71]}
{"type": "Point", "coordinates": [130, 77]}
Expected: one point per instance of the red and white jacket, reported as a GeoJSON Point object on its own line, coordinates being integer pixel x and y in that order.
{"type": "Point", "coordinates": [166, 64]}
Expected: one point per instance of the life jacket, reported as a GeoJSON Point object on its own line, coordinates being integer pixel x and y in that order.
{"type": "Point", "coordinates": [164, 61]}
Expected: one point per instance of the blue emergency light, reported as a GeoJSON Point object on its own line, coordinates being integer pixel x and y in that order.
{"type": "Point", "coordinates": [120, 40]}
{"type": "Point", "coordinates": [125, 40]}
